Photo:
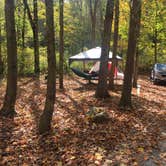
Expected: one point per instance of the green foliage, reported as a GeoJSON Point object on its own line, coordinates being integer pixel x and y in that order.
{"type": "Point", "coordinates": [77, 30]}
{"type": "Point", "coordinates": [153, 18]}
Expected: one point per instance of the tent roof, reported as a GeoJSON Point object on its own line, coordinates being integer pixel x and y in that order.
{"type": "Point", "coordinates": [92, 54]}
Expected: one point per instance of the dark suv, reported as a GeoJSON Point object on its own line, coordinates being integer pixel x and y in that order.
{"type": "Point", "coordinates": [158, 73]}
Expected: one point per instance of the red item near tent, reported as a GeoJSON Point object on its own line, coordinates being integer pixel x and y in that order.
{"type": "Point", "coordinates": [109, 69]}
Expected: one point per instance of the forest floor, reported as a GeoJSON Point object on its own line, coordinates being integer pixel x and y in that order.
{"type": "Point", "coordinates": [136, 137]}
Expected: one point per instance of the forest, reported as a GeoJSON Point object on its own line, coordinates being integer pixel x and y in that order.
{"type": "Point", "coordinates": [83, 82]}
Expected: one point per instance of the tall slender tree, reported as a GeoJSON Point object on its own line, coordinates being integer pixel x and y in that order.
{"type": "Point", "coordinates": [36, 36]}
{"type": "Point", "coordinates": [34, 25]}
{"type": "Point", "coordinates": [8, 108]}
{"type": "Point", "coordinates": [93, 5]}
{"type": "Point", "coordinates": [61, 44]}
{"type": "Point", "coordinates": [1, 28]}
{"type": "Point", "coordinates": [46, 117]}
{"type": "Point", "coordinates": [101, 18]}
{"type": "Point", "coordinates": [135, 74]}
{"type": "Point", "coordinates": [155, 36]}
{"type": "Point", "coordinates": [125, 100]}
{"type": "Point", "coordinates": [1, 61]}
{"type": "Point", "coordinates": [115, 44]}
{"type": "Point", "coordinates": [102, 88]}
{"type": "Point", "coordinates": [22, 65]}
{"type": "Point", "coordinates": [136, 59]}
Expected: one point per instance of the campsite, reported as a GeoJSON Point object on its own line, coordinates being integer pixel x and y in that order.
{"type": "Point", "coordinates": [129, 138]}
{"type": "Point", "coordinates": [82, 83]}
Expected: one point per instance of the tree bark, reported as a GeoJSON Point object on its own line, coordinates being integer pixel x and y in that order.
{"type": "Point", "coordinates": [36, 38]}
{"type": "Point", "coordinates": [23, 44]}
{"type": "Point", "coordinates": [102, 89]}
{"type": "Point", "coordinates": [125, 100]}
{"type": "Point", "coordinates": [155, 45]}
{"type": "Point", "coordinates": [115, 44]}
{"type": "Point", "coordinates": [34, 26]}
{"type": "Point", "coordinates": [135, 75]}
{"type": "Point", "coordinates": [155, 36]}
{"type": "Point", "coordinates": [61, 44]}
{"type": "Point", "coordinates": [93, 12]}
{"type": "Point", "coordinates": [46, 117]}
{"type": "Point", "coordinates": [136, 59]}
{"type": "Point", "coordinates": [1, 61]}
{"type": "Point", "coordinates": [101, 19]}
{"type": "Point", "coordinates": [11, 90]}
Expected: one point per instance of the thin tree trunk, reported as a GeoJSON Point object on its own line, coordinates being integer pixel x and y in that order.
{"type": "Point", "coordinates": [46, 117]}
{"type": "Point", "coordinates": [36, 38]}
{"type": "Point", "coordinates": [82, 23]}
{"type": "Point", "coordinates": [136, 60]}
{"type": "Point", "coordinates": [115, 44]}
{"type": "Point", "coordinates": [101, 19]}
{"type": "Point", "coordinates": [135, 75]}
{"type": "Point", "coordinates": [11, 90]}
{"type": "Point", "coordinates": [102, 89]}
{"type": "Point", "coordinates": [1, 61]}
{"type": "Point", "coordinates": [22, 65]}
{"type": "Point", "coordinates": [61, 44]}
{"type": "Point", "coordinates": [34, 26]}
{"type": "Point", "coordinates": [93, 12]}
{"type": "Point", "coordinates": [155, 36]}
{"type": "Point", "coordinates": [155, 46]}
{"type": "Point", "coordinates": [125, 100]}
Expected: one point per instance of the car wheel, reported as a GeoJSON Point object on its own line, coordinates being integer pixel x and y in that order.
{"type": "Point", "coordinates": [155, 82]}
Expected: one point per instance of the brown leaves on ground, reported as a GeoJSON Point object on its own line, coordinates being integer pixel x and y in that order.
{"type": "Point", "coordinates": [128, 138]}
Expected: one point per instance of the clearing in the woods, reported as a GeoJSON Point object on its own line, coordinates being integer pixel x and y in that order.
{"type": "Point", "coordinates": [135, 137]}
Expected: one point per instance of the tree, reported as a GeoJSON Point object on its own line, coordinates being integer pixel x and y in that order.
{"type": "Point", "coordinates": [125, 100]}
{"type": "Point", "coordinates": [34, 25]}
{"type": "Point", "coordinates": [135, 74]}
{"type": "Point", "coordinates": [93, 11]}
{"type": "Point", "coordinates": [61, 44]}
{"type": "Point", "coordinates": [155, 37]}
{"type": "Point", "coordinates": [8, 108]}
{"type": "Point", "coordinates": [152, 45]}
{"type": "Point", "coordinates": [102, 89]}
{"type": "Point", "coordinates": [46, 117]}
{"type": "Point", "coordinates": [115, 44]}
{"type": "Point", "coordinates": [136, 59]}
{"type": "Point", "coordinates": [22, 65]}
{"type": "Point", "coordinates": [1, 27]}
{"type": "Point", "coordinates": [1, 61]}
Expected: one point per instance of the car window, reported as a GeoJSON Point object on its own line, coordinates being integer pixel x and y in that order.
{"type": "Point", "coordinates": [161, 67]}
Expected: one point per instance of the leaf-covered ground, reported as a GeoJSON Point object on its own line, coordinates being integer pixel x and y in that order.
{"type": "Point", "coordinates": [133, 138]}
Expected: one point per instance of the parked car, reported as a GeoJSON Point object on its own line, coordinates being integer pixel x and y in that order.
{"type": "Point", "coordinates": [158, 73]}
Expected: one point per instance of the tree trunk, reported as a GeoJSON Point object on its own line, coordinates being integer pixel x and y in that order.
{"type": "Point", "coordinates": [155, 46]}
{"type": "Point", "coordinates": [23, 43]}
{"type": "Point", "coordinates": [93, 12]}
{"type": "Point", "coordinates": [135, 75]}
{"type": "Point", "coordinates": [136, 59]}
{"type": "Point", "coordinates": [34, 26]}
{"type": "Point", "coordinates": [11, 90]}
{"type": "Point", "coordinates": [125, 100]}
{"type": "Point", "coordinates": [155, 36]}
{"type": "Point", "coordinates": [101, 19]}
{"type": "Point", "coordinates": [102, 89]}
{"type": "Point", "coordinates": [93, 31]}
{"type": "Point", "coordinates": [1, 61]}
{"type": "Point", "coordinates": [46, 117]}
{"type": "Point", "coordinates": [115, 44]}
{"type": "Point", "coordinates": [36, 38]}
{"type": "Point", "coordinates": [61, 44]}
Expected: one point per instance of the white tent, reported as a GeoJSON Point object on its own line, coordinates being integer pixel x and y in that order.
{"type": "Point", "coordinates": [92, 54]}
